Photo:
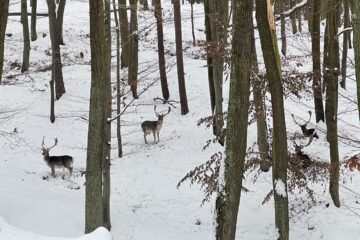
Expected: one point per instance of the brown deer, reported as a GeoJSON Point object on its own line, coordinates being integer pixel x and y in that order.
{"type": "Point", "coordinates": [307, 132]}
{"type": "Point", "coordinates": [154, 126]}
{"type": "Point", "coordinates": [53, 162]}
{"type": "Point", "coordinates": [302, 157]}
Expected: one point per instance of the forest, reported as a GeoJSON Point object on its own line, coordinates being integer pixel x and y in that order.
{"type": "Point", "coordinates": [179, 119]}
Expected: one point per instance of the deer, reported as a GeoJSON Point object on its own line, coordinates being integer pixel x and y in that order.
{"type": "Point", "coordinates": [154, 127]}
{"type": "Point", "coordinates": [307, 132]}
{"type": "Point", "coordinates": [53, 162]}
{"type": "Point", "coordinates": [304, 158]}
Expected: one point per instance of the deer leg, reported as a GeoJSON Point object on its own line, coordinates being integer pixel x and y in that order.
{"type": "Point", "coordinates": [53, 171]}
{"type": "Point", "coordinates": [145, 138]}
{"type": "Point", "coordinates": [154, 137]}
{"type": "Point", "coordinates": [70, 170]}
{"type": "Point", "coordinates": [158, 136]}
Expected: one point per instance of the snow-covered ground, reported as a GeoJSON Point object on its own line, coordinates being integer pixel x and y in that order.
{"type": "Point", "coordinates": [145, 202]}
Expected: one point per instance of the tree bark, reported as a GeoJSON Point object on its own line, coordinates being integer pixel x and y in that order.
{"type": "Point", "coordinates": [55, 49]}
{"type": "Point", "coordinates": [60, 21]}
{"type": "Point", "coordinates": [134, 49]}
{"type": "Point", "coordinates": [118, 85]}
{"type": "Point", "coordinates": [218, 11]}
{"type": "Point", "coordinates": [97, 119]}
{"type": "Point", "coordinates": [107, 113]}
{"type": "Point", "coordinates": [208, 56]}
{"type": "Point", "coordinates": [331, 73]}
{"type": "Point", "coordinates": [293, 17]}
{"type": "Point", "coordinates": [283, 30]}
{"type": "Point", "coordinates": [355, 9]}
{"type": "Point", "coordinates": [33, 20]}
{"type": "Point", "coordinates": [161, 51]}
{"type": "Point", "coordinates": [316, 58]}
{"type": "Point", "coordinates": [4, 9]}
{"type": "Point", "coordinates": [25, 24]}
{"type": "Point", "coordinates": [267, 32]}
{"type": "Point", "coordinates": [227, 202]}
{"type": "Point", "coordinates": [124, 29]}
{"type": "Point", "coordinates": [179, 58]}
{"type": "Point", "coordinates": [346, 36]}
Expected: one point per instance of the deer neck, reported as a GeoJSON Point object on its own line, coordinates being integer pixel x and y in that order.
{"type": "Point", "coordinates": [159, 123]}
{"type": "Point", "coordinates": [47, 158]}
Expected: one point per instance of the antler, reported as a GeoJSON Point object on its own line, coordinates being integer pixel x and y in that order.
{"type": "Point", "coordinates": [167, 112]}
{"type": "Point", "coordinates": [309, 118]}
{"type": "Point", "coordinates": [155, 111]}
{"type": "Point", "coordinates": [43, 147]}
{"type": "Point", "coordinates": [157, 114]}
{"type": "Point", "coordinates": [295, 120]}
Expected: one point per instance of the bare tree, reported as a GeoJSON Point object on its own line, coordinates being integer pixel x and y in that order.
{"type": "Point", "coordinates": [268, 39]}
{"type": "Point", "coordinates": [179, 58]}
{"type": "Point", "coordinates": [133, 49]}
{"type": "Point", "coordinates": [227, 202]}
{"type": "Point", "coordinates": [60, 21]}
{"type": "Point", "coordinates": [33, 20]}
{"type": "Point", "coordinates": [4, 6]}
{"type": "Point", "coordinates": [25, 24]}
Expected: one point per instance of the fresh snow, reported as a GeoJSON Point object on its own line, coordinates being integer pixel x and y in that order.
{"type": "Point", "coordinates": [145, 203]}
{"type": "Point", "coordinates": [280, 188]}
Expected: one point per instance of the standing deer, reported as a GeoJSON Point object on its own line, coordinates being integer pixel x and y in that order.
{"type": "Point", "coordinates": [53, 162]}
{"type": "Point", "coordinates": [307, 132]}
{"type": "Point", "coordinates": [304, 158]}
{"type": "Point", "coordinates": [154, 126]}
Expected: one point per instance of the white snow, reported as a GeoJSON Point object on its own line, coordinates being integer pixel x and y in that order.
{"type": "Point", "coordinates": [280, 188]}
{"type": "Point", "coordinates": [145, 203]}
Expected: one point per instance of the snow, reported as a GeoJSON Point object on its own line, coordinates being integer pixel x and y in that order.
{"type": "Point", "coordinates": [145, 203]}
{"type": "Point", "coordinates": [280, 188]}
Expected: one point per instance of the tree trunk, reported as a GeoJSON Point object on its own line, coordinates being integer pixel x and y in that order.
{"type": "Point", "coordinates": [145, 4]}
{"type": "Point", "coordinates": [218, 11]}
{"type": "Point", "coordinates": [55, 49]}
{"type": "Point", "coordinates": [192, 24]}
{"type": "Point", "coordinates": [227, 202]}
{"type": "Point", "coordinates": [293, 17]}
{"type": "Point", "coordinates": [283, 29]}
{"type": "Point", "coordinates": [97, 119]}
{"type": "Point", "coordinates": [25, 24]}
{"type": "Point", "coordinates": [33, 20]}
{"type": "Point", "coordinates": [331, 73]}
{"type": "Point", "coordinates": [267, 32]}
{"type": "Point", "coordinates": [259, 91]}
{"type": "Point", "coordinates": [60, 21]}
{"type": "Point", "coordinates": [179, 58]}
{"type": "Point", "coordinates": [52, 98]}
{"type": "Point", "coordinates": [107, 113]}
{"type": "Point", "coordinates": [4, 9]}
{"type": "Point", "coordinates": [118, 90]}
{"type": "Point", "coordinates": [355, 9]}
{"type": "Point", "coordinates": [124, 29]}
{"type": "Point", "coordinates": [208, 55]}
{"type": "Point", "coordinates": [161, 51]}
{"type": "Point", "coordinates": [316, 58]}
{"type": "Point", "coordinates": [346, 36]}
{"type": "Point", "coordinates": [134, 49]}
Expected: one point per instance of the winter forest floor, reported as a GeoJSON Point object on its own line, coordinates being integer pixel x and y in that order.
{"type": "Point", "coordinates": [145, 202]}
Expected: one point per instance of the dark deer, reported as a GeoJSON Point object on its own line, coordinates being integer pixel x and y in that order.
{"type": "Point", "coordinates": [53, 162]}
{"type": "Point", "coordinates": [154, 127]}
{"type": "Point", "coordinates": [302, 157]}
{"type": "Point", "coordinates": [307, 132]}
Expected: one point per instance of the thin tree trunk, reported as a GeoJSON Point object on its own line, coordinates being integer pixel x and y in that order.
{"type": "Point", "coordinates": [55, 49]}
{"type": "Point", "coordinates": [161, 51]}
{"type": "Point", "coordinates": [316, 58]}
{"type": "Point", "coordinates": [267, 32]}
{"type": "Point", "coordinates": [293, 17]}
{"type": "Point", "coordinates": [4, 9]}
{"type": "Point", "coordinates": [346, 36]}
{"type": "Point", "coordinates": [25, 24]}
{"type": "Point", "coordinates": [192, 24]}
{"type": "Point", "coordinates": [331, 73]}
{"type": "Point", "coordinates": [52, 98]}
{"type": "Point", "coordinates": [227, 202]}
{"type": "Point", "coordinates": [118, 90]}
{"type": "Point", "coordinates": [283, 29]}
{"type": "Point", "coordinates": [107, 113]}
{"type": "Point", "coordinates": [124, 29]}
{"type": "Point", "coordinates": [218, 23]}
{"type": "Point", "coordinates": [33, 20]}
{"type": "Point", "coordinates": [179, 58]}
{"type": "Point", "coordinates": [97, 118]}
{"type": "Point", "coordinates": [355, 9]}
{"type": "Point", "coordinates": [258, 86]}
{"type": "Point", "coordinates": [60, 21]}
{"type": "Point", "coordinates": [134, 49]}
{"type": "Point", "coordinates": [208, 55]}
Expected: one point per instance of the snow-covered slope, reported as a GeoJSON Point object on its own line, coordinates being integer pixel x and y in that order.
{"type": "Point", "coordinates": [145, 202]}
